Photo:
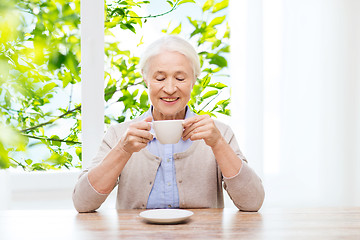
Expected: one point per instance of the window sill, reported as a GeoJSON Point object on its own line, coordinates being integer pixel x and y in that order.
{"type": "Point", "coordinates": [42, 180]}
{"type": "Point", "coordinates": [41, 190]}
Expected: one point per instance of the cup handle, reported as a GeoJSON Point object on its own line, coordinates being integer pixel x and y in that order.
{"type": "Point", "coordinates": [152, 133]}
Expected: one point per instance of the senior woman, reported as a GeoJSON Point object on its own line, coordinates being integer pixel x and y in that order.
{"type": "Point", "coordinates": [188, 174]}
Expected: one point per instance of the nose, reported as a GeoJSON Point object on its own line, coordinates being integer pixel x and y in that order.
{"type": "Point", "coordinates": [169, 86]}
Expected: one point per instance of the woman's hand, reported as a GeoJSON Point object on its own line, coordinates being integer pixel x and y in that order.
{"type": "Point", "coordinates": [136, 137]}
{"type": "Point", "coordinates": [103, 177]}
{"type": "Point", "coordinates": [202, 127]}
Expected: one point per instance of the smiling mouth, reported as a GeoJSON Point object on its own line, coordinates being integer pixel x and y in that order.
{"type": "Point", "coordinates": [169, 99]}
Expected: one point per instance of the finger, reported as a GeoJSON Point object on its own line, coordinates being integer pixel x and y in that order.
{"type": "Point", "coordinates": [187, 132]}
{"type": "Point", "coordinates": [139, 140]}
{"type": "Point", "coordinates": [196, 131]}
{"type": "Point", "coordinates": [135, 143]}
{"type": "Point", "coordinates": [206, 124]}
{"type": "Point", "coordinates": [148, 119]}
{"type": "Point", "coordinates": [194, 127]}
{"type": "Point", "coordinates": [140, 133]}
{"type": "Point", "coordinates": [143, 125]}
{"type": "Point", "coordinates": [189, 121]}
{"type": "Point", "coordinates": [197, 136]}
{"type": "Point", "coordinates": [145, 135]}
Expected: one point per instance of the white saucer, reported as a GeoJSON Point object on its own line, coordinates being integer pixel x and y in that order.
{"type": "Point", "coordinates": [166, 215]}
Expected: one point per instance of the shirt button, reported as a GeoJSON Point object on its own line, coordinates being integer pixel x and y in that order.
{"type": "Point", "coordinates": [168, 160]}
{"type": "Point", "coordinates": [169, 184]}
{"type": "Point", "coordinates": [169, 205]}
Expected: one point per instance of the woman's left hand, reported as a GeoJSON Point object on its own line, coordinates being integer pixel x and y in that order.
{"type": "Point", "coordinates": [201, 127]}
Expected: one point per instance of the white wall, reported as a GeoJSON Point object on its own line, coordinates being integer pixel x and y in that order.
{"type": "Point", "coordinates": [310, 101]}
{"type": "Point", "coordinates": [246, 66]}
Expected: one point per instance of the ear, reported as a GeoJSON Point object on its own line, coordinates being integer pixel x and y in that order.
{"type": "Point", "coordinates": [193, 82]}
{"type": "Point", "coordinates": [145, 81]}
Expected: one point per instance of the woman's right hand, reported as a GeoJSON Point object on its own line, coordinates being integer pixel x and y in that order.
{"type": "Point", "coordinates": [136, 137]}
{"type": "Point", "coordinates": [103, 177]}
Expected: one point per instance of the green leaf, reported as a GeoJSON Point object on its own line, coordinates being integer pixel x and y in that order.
{"type": "Point", "coordinates": [126, 53]}
{"type": "Point", "coordinates": [186, 1]}
{"type": "Point", "coordinates": [73, 65]}
{"type": "Point", "coordinates": [28, 161]}
{"type": "Point", "coordinates": [218, 85]}
{"type": "Point", "coordinates": [205, 81]}
{"type": "Point", "coordinates": [207, 5]}
{"type": "Point", "coordinates": [48, 87]}
{"type": "Point", "coordinates": [193, 22]}
{"type": "Point", "coordinates": [170, 2]}
{"type": "Point", "coordinates": [176, 30]}
{"type": "Point", "coordinates": [217, 21]}
{"type": "Point", "coordinates": [196, 90]}
{"type": "Point", "coordinates": [55, 143]}
{"type": "Point", "coordinates": [121, 119]}
{"type": "Point", "coordinates": [40, 167]}
{"type": "Point", "coordinates": [7, 98]}
{"type": "Point", "coordinates": [144, 99]}
{"type": "Point", "coordinates": [135, 18]}
{"type": "Point", "coordinates": [196, 31]}
{"type": "Point", "coordinates": [115, 21]}
{"type": "Point", "coordinates": [57, 159]}
{"type": "Point", "coordinates": [107, 119]}
{"type": "Point", "coordinates": [135, 93]}
{"type": "Point", "coordinates": [4, 158]}
{"type": "Point", "coordinates": [219, 61]}
{"type": "Point", "coordinates": [226, 112]}
{"type": "Point", "coordinates": [127, 99]}
{"type": "Point", "coordinates": [209, 35]}
{"type": "Point", "coordinates": [225, 49]}
{"type": "Point", "coordinates": [66, 79]}
{"type": "Point", "coordinates": [56, 60]}
{"type": "Point", "coordinates": [216, 44]}
{"type": "Point", "coordinates": [221, 5]}
{"type": "Point", "coordinates": [227, 33]}
{"type": "Point", "coordinates": [210, 93]}
{"type": "Point", "coordinates": [128, 26]}
{"type": "Point", "coordinates": [222, 104]}
{"type": "Point", "coordinates": [109, 92]}
{"type": "Point", "coordinates": [78, 151]}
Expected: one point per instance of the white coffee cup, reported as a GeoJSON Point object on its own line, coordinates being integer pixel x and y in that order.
{"type": "Point", "coordinates": [168, 131]}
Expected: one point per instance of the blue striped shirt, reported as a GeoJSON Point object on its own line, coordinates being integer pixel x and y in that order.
{"type": "Point", "coordinates": [164, 193]}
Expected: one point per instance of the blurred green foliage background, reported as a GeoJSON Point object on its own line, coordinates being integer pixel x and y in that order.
{"type": "Point", "coordinates": [40, 73]}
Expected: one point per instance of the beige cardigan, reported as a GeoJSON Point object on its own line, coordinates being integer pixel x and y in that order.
{"type": "Point", "coordinates": [198, 177]}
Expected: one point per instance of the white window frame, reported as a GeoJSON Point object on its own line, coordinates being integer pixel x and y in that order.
{"type": "Point", "coordinates": [92, 77]}
{"type": "Point", "coordinates": [52, 189]}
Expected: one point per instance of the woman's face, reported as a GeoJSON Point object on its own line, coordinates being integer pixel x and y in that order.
{"type": "Point", "coordinates": [170, 79]}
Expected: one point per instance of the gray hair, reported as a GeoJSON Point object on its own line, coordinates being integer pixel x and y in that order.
{"type": "Point", "coordinates": [174, 44]}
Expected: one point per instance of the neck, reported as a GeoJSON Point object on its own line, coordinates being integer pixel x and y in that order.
{"type": "Point", "coordinates": [160, 116]}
